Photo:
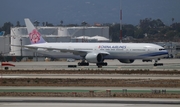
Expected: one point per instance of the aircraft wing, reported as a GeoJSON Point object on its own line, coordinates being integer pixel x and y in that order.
{"type": "Point", "coordinates": [41, 48]}
{"type": "Point", "coordinates": [62, 50]}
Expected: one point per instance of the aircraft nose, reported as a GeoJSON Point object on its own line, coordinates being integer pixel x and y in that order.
{"type": "Point", "coordinates": [166, 52]}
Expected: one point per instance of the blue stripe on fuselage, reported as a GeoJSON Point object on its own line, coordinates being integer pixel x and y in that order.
{"type": "Point", "coordinates": [155, 54]}
{"type": "Point", "coordinates": [142, 56]}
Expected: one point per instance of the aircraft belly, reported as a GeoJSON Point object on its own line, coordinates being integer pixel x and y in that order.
{"type": "Point", "coordinates": [135, 55]}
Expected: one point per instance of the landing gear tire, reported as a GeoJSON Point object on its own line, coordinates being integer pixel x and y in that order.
{"type": "Point", "coordinates": [72, 66]}
{"type": "Point", "coordinates": [158, 64]}
{"type": "Point", "coordinates": [101, 64]}
{"type": "Point", "coordinates": [83, 64]}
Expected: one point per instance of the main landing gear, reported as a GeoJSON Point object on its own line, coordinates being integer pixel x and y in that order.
{"type": "Point", "coordinates": [100, 64]}
{"type": "Point", "coordinates": [158, 64]}
{"type": "Point", "coordinates": [83, 63]}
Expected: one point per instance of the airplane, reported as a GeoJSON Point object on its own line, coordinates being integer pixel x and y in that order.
{"type": "Point", "coordinates": [97, 52]}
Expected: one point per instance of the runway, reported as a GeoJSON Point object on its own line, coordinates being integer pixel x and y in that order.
{"type": "Point", "coordinates": [93, 76]}
{"type": "Point", "coordinates": [85, 102]}
{"type": "Point", "coordinates": [169, 64]}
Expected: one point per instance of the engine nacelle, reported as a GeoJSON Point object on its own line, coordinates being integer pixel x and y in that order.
{"type": "Point", "coordinates": [126, 60]}
{"type": "Point", "coordinates": [94, 57]}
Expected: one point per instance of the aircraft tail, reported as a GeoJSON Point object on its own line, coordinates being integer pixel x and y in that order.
{"type": "Point", "coordinates": [34, 36]}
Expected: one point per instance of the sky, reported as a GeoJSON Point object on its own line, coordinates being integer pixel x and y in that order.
{"type": "Point", "coordinates": [90, 11]}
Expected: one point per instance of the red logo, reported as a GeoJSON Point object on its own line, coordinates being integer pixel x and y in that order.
{"type": "Point", "coordinates": [34, 36]}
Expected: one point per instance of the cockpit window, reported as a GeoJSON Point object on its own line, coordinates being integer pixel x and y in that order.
{"type": "Point", "coordinates": [161, 49]}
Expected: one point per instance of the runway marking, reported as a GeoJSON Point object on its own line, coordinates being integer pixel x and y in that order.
{"type": "Point", "coordinates": [11, 76]}
{"type": "Point", "coordinates": [81, 90]}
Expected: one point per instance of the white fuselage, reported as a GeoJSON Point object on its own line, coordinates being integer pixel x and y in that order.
{"type": "Point", "coordinates": [114, 50]}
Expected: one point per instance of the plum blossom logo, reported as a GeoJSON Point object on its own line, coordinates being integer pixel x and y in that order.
{"type": "Point", "coordinates": [34, 36]}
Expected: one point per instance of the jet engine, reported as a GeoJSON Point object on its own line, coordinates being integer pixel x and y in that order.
{"type": "Point", "coordinates": [126, 60]}
{"type": "Point", "coordinates": [94, 57]}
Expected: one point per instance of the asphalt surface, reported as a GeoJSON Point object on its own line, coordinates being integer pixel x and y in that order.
{"type": "Point", "coordinates": [169, 64]}
{"type": "Point", "coordinates": [138, 63]}
{"type": "Point", "coordinates": [85, 102]}
{"type": "Point", "coordinates": [92, 76]}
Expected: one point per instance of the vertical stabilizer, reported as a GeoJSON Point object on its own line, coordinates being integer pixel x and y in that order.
{"type": "Point", "coordinates": [34, 35]}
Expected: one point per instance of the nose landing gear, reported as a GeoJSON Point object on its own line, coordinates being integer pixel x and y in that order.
{"type": "Point", "coordinates": [158, 64]}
